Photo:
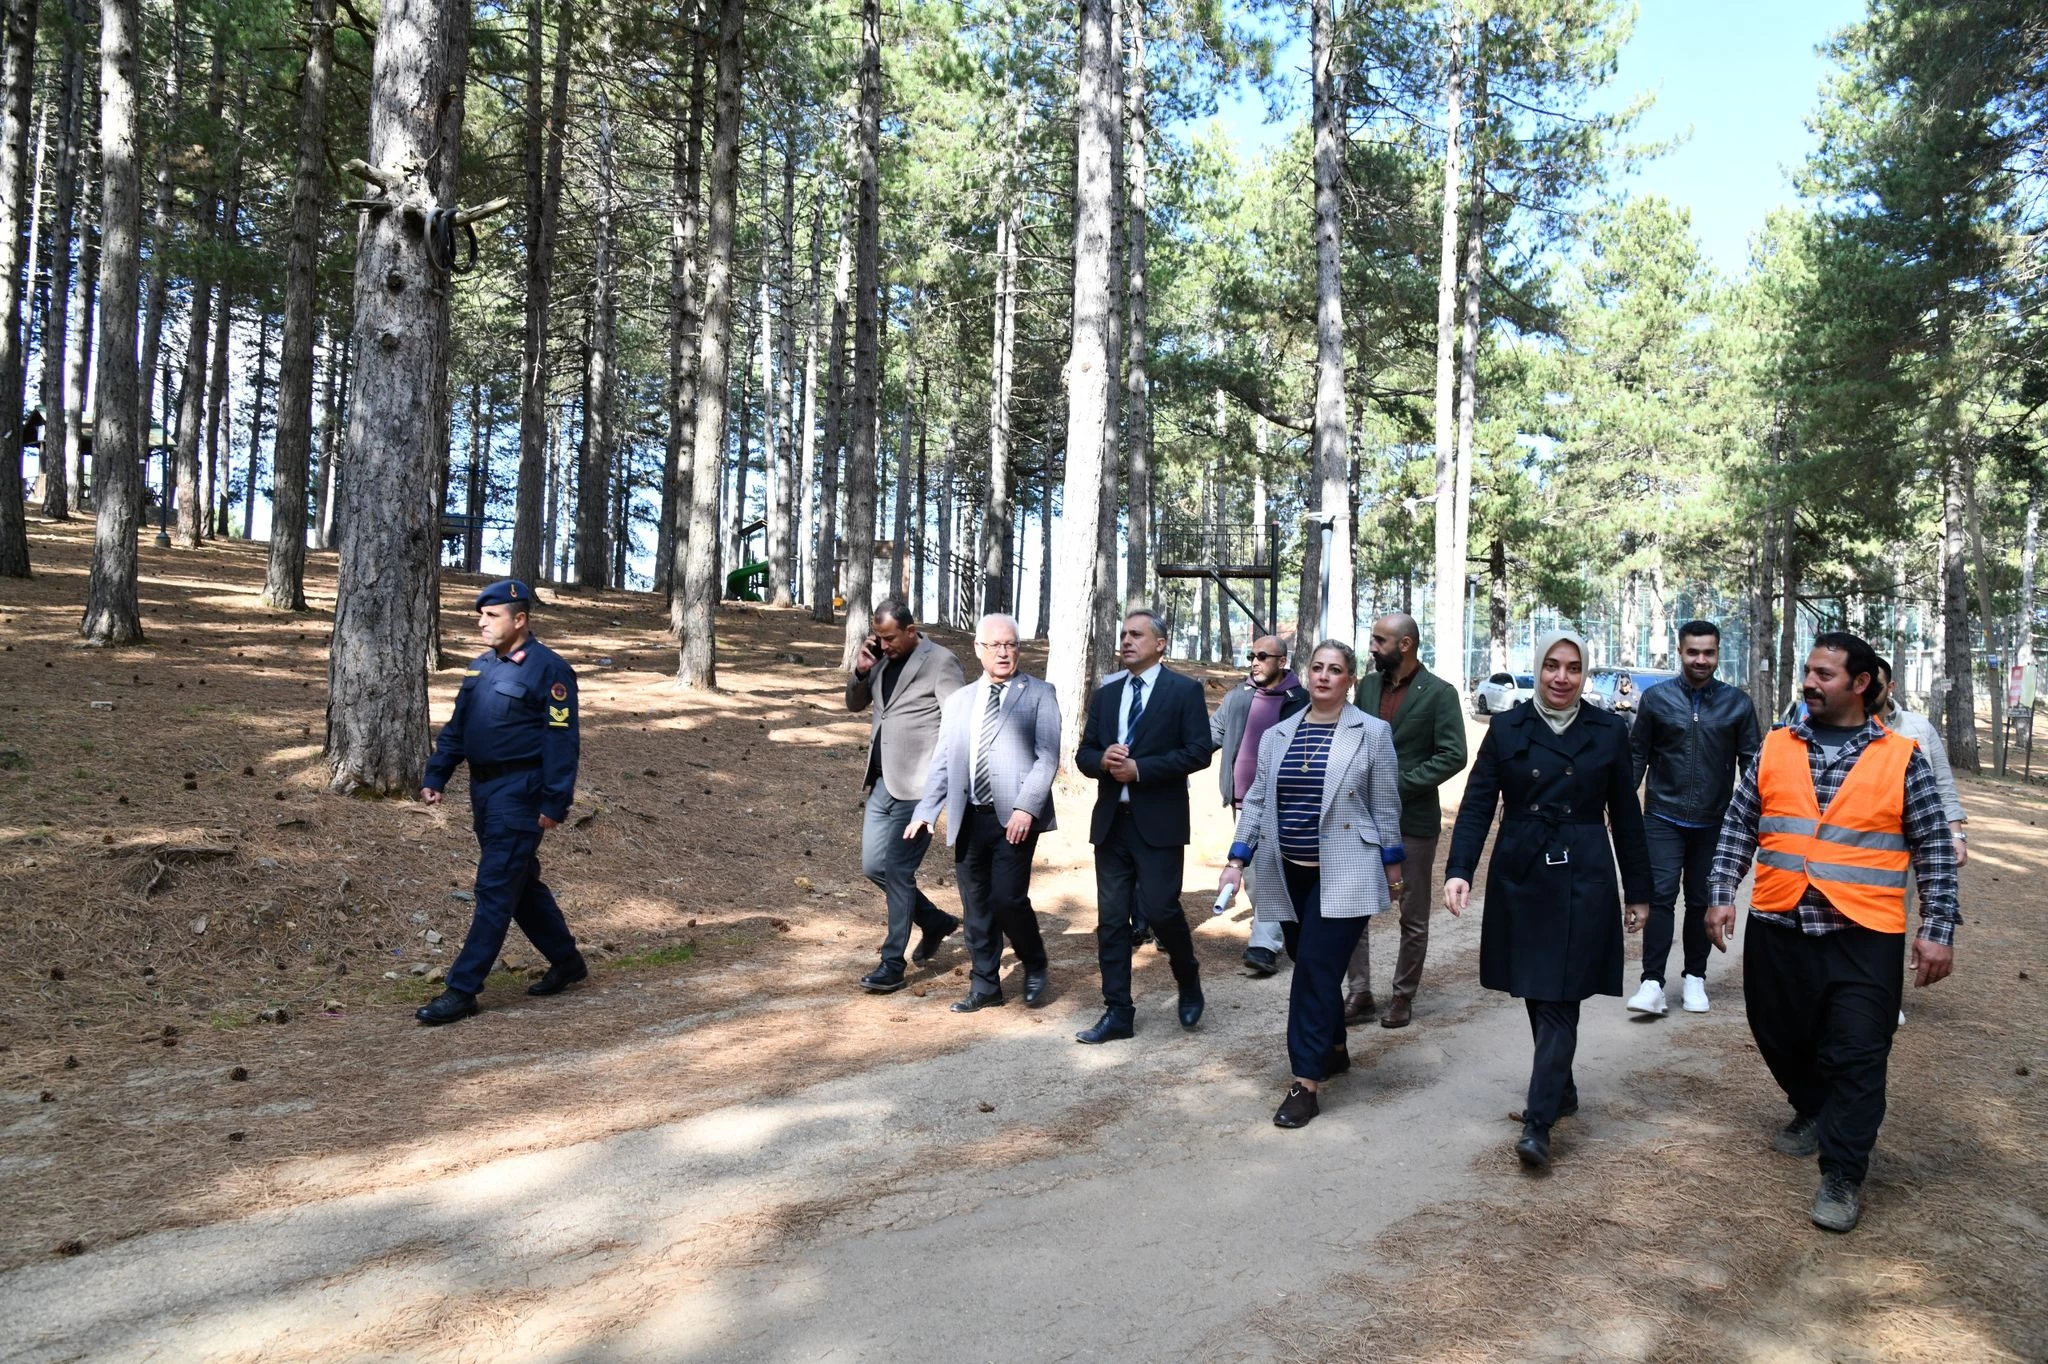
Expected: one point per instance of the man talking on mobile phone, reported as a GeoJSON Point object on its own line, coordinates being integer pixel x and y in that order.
{"type": "Point", "coordinates": [903, 680]}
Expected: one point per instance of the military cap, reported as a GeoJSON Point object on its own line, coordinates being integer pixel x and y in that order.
{"type": "Point", "coordinates": [511, 592]}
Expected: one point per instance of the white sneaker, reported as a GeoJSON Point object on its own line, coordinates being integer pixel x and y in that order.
{"type": "Point", "coordinates": [1694, 992]}
{"type": "Point", "coordinates": [1648, 1000]}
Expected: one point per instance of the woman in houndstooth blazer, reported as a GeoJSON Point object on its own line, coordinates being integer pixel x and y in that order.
{"type": "Point", "coordinates": [1322, 822]}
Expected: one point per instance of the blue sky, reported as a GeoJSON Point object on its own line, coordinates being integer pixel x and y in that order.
{"type": "Point", "coordinates": [1736, 79]}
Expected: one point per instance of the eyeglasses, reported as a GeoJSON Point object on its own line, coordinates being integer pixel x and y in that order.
{"type": "Point", "coordinates": [1258, 657]}
{"type": "Point", "coordinates": [1001, 646]}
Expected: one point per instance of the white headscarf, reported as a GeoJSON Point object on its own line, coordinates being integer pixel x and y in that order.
{"type": "Point", "coordinates": [1559, 720]}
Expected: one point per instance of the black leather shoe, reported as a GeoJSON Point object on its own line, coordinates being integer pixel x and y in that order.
{"type": "Point", "coordinates": [974, 1003]}
{"type": "Point", "coordinates": [1298, 1109]}
{"type": "Point", "coordinates": [1799, 1137]}
{"type": "Point", "coordinates": [1534, 1147]}
{"type": "Point", "coordinates": [1113, 1026]}
{"type": "Point", "coordinates": [449, 1006]}
{"type": "Point", "coordinates": [1191, 1003]}
{"type": "Point", "coordinates": [1261, 961]}
{"type": "Point", "coordinates": [1140, 935]}
{"type": "Point", "coordinates": [1036, 987]}
{"type": "Point", "coordinates": [928, 941]}
{"type": "Point", "coordinates": [883, 980]}
{"type": "Point", "coordinates": [1337, 1062]}
{"type": "Point", "coordinates": [560, 977]}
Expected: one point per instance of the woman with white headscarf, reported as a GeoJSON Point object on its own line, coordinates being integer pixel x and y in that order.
{"type": "Point", "coordinates": [1561, 774]}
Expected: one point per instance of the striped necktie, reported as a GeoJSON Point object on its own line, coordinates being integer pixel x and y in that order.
{"type": "Point", "coordinates": [1137, 709]}
{"type": "Point", "coordinates": [984, 747]}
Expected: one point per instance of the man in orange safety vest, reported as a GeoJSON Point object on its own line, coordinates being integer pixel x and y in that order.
{"type": "Point", "coordinates": [1838, 812]}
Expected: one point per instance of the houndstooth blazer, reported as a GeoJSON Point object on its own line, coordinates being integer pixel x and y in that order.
{"type": "Point", "coordinates": [1021, 765]}
{"type": "Point", "coordinates": [1361, 816]}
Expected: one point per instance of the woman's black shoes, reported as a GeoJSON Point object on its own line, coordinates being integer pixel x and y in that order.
{"type": "Point", "coordinates": [1298, 1109]}
{"type": "Point", "coordinates": [1534, 1147]}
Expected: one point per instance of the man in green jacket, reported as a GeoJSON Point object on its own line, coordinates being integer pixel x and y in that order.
{"type": "Point", "coordinates": [1429, 741]}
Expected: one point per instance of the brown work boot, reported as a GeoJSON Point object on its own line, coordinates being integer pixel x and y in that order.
{"type": "Point", "coordinates": [1360, 1009]}
{"type": "Point", "coordinates": [1399, 1014]}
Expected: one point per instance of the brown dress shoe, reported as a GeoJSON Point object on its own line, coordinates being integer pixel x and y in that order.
{"type": "Point", "coordinates": [1360, 1009]}
{"type": "Point", "coordinates": [1399, 1014]}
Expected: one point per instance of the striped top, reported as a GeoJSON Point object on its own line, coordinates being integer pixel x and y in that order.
{"type": "Point", "coordinates": [1299, 792]}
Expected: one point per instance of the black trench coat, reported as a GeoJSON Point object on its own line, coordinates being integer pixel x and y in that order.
{"type": "Point", "coordinates": [1552, 927]}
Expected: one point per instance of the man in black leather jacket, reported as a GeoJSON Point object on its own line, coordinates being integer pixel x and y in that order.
{"type": "Point", "coordinates": [1693, 735]}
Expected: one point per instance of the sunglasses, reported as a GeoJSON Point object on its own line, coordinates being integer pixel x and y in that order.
{"type": "Point", "coordinates": [1258, 657]}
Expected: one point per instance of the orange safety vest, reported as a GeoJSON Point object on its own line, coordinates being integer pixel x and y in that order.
{"type": "Point", "coordinates": [1856, 854]}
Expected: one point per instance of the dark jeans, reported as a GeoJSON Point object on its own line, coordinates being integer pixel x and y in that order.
{"type": "Point", "coordinates": [995, 896]}
{"type": "Point", "coordinates": [1554, 1023]}
{"type": "Point", "coordinates": [508, 891]}
{"type": "Point", "coordinates": [1135, 880]}
{"type": "Point", "coordinates": [891, 861]}
{"type": "Point", "coordinates": [1321, 949]}
{"type": "Point", "coordinates": [1822, 1010]}
{"type": "Point", "coordinates": [1676, 852]}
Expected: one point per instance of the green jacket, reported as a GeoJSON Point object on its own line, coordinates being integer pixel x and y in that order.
{"type": "Point", "coordinates": [1429, 741]}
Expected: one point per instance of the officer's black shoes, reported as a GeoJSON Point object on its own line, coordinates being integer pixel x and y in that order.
{"type": "Point", "coordinates": [1260, 961]}
{"type": "Point", "coordinates": [1036, 987]}
{"type": "Point", "coordinates": [928, 941]}
{"type": "Point", "coordinates": [883, 980]}
{"type": "Point", "coordinates": [1534, 1147]}
{"type": "Point", "coordinates": [450, 1006]}
{"type": "Point", "coordinates": [975, 1003]}
{"type": "Point", "coordinates": [560, 977]}
{"type": "Point", "coordinates": [1113, 1026]}
{"type": "Point", "coordinates": [1799, 1137]}
{"type": "Point", "coordinates": [1298, 1109]}
{"type": "Point", "coordinates": [1838, 1204]}
{"type": "Point", "coordinates": [1191, 1004]}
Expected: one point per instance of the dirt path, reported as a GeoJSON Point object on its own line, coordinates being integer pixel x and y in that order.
{"type": "Point", "coordinates": [720, 1151]}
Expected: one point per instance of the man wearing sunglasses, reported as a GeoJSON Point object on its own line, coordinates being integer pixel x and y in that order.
{"type": "Point", "coordinates": [1269, 695]}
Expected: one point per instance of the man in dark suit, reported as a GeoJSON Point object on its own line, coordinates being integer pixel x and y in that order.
{"type": "Point", "coordinates": [1147, 730]}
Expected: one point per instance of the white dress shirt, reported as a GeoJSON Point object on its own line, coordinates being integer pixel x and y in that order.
{"type": "Point", "coordinates": [1150, 677]}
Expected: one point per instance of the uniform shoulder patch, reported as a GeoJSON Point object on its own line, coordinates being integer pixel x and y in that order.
{"type": "Point", "coordinates": [560, 691]}
{"type": "Point", "coordinates": [558, 717]}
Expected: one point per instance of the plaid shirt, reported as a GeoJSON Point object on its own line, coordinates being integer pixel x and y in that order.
{"type": "Point", "coordinates": [1926, 830]}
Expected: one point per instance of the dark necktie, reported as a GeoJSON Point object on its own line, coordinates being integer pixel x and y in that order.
{"type": "Point", "coordinates": [1137, 709]}
{"type": "Point", "coordinates": [984, 786]}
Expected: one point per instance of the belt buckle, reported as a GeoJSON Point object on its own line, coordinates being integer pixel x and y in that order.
{"type": "Point", "coordinates": [1557, 859]}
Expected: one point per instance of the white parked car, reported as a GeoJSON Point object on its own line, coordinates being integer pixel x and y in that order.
{"type": "Point", "coordinates": [1501, 691]}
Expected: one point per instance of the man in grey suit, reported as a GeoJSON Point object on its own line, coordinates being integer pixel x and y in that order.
{"type": "Point", "coordinates": [1269, 695]}
{"type": "Point", "coordinates": [999, 746]}
{"type": "Point", "coordinates": [906, 679]}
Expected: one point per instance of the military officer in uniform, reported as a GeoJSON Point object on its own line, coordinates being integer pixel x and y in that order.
{"type": "Point", "coordinates": [515, 724]}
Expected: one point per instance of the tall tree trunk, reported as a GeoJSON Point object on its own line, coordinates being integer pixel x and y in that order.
{"type": "Point", "coordinates": [1961, 708]}
{"type": "Point", "coordinates": [594, 474]}
{"type": "Point", "coordinates": [1087, 372]}
{"type": "Point", "coordinates": [1226, 648]}
{"type": "Point", "coordinates": [476, 482]}
{"type": "Point", "coordinates": [112, 613]}
{"type": "Point", "coordinates": [1631, 620]}
{"type": "Point", "coordinates": [161, 226]}
{"type": "Point", "coordinates": [58, 454]}
{"type": "Point", "coordinates": [1137, 374]}
{"type": "Point", "coordinates": [331, 383]}
{"type": "Point", "coordinates": [948, 586]}
{"type": "Point", "coordinates": [1448, 625]}
{"type": "Point", "coordinates": [1332, 438]}
{"type": "Point", "coordinates": [78, 388]}
{"type": "Point", "coordinates": [384, 609]}
{"type": "Point", "coordinates": [543, 175]}
{"type": "Point", "coordinates": [807, 442]}
{"type": "Point", "coordinates": [782, 511]}
{"type": "Point", "coordinates": [867, 341]}
{"type": "Point", "coordinates": [697, 666]}
{"type": "Point", "coordinates": [996, 567]}
{"type": "Point", "coordinates": [825, 574]}
{"type": "Point", "coordinates": [199, 331]}
{"type": "Point", "coordinates": [1996, 674]}
{"type": "Point", "coordinates": [17, 84]}
{"type": "Point", "coordinates": [1468, 364]}
{"type": "Point", "coordinates": [256, 388]}
{"type": "Point", "coordinates": [213, 487]}
{"type": "Point", "coordinates": [685, 178]}
{"type": "Point", "coordinates": [284, 586]}
{"type": "Point", "coordinates": [2023, 646]}
{"type": "Point", "coordinates": [1497, 605]}
{"type": "Point", "coordinates": [1790, 669]}
{"type": "Point", "coordinates": [1108, 602]}
{"type": "Point", "coordinates": [899, 536]}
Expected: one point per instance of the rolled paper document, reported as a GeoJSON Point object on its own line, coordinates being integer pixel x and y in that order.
{"type": "Point", "coordinates": [1223, 899]}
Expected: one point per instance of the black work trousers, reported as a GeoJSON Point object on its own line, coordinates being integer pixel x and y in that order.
{"type": "Point", "coordinates": [1554, 1024]}
{"type": "Point", "coordinates": [1135, 880]}
{"type": "Point", "coordinates": [1823, 1008]}
{"type": "Point", "coordinates": [1677, 853]}
{"type": "Point", "coordinates": [995, 896]}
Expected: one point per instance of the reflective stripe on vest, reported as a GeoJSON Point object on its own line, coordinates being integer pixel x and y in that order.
{"type": "Point", "coordinates": [1856, 854]}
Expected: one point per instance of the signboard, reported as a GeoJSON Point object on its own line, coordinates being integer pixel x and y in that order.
{"type": "Point", "coordinates": [2019, 687]}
